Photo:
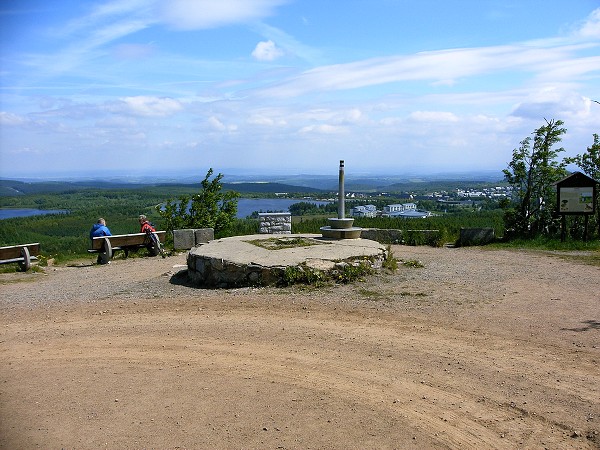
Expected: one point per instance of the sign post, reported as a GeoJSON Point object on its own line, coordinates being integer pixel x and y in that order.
{"type": "Point", "coordinates": [576, 196]}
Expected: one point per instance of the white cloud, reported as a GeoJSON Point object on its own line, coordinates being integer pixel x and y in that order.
{"type": "Point", "coordinates": [323, 129]}
{"type": "Point", "coordinates": [151, 106]}
{"type": "Point", "coordinates": [553, 102]}
{"type": "Point", "coordinates": [438, 66]}
{"type": "Point", "coordinates": [591, 27]}
{"type": "Point", "coordinates": [216, 124]}
{"type": "Point", "coordinates": [204, 14]}
{"type": "Point", "coordinates": [10, 119]}
{"type": "Point", "coordinates": [265, 120]}
{"type": "Point", "coordinates": [267, 51]}
{"type": "Point", "coordinates": [433, 116]}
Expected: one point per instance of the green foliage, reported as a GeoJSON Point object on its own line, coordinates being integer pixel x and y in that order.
{"type": "Point", "coordinates": [210, 208]}
{"type": "Point", "coordinates": [390, 263]}
{"type": "Point", "coordinates": [308, 208]}
{"type": "Point", "coordinates": [344, 272]}
{"type": "Point", "coordinates": [353, 271]}
{"type": "Point", "coordinates": [589, 162]}
{"type": "Point", "coordinates": [548, 243]}
{"type": "Point", "coordinates": [532, 172]}
{"type": "Point", "coordinates": [303, 274]}
{"type": "Point", "coordinates": [243, 227]}
{"type": "Point", "coordinates": [283, 242]}
{"type": "Point", "coordinates": [415, 264]}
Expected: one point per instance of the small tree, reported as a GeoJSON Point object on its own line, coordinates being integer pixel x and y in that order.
{"type": "Point", "coordinates": [589, 163]}
{"type": "Point", "coordinates": [532, 172]}
{"type": "Point", "coordinates": [210, 208]}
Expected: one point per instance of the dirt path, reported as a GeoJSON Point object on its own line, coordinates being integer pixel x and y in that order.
{"type": "Point", "coordinates": [478, 349]}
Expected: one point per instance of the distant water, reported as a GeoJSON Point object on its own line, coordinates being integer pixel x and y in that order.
{"type": "Point", "coordinates": [8, 213]}
{"type": "Point", "coordinates": [247, 206]}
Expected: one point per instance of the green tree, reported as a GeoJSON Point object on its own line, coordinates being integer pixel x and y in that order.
{"type": "Point", "coordinates": [532, 172]}
{"type": "Point", "coordinates": [589, 163]}
{"type": "Point", "coordinates": [303, 208]}
{"type": "Point", "coordinates": [210, 208]}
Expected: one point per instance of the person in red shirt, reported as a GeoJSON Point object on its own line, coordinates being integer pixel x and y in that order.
{"type": "Point", "coordinates": [146, 227]}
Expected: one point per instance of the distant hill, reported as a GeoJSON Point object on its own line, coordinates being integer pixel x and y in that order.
{"type": "Point", "coordinates": [440, 185]}
{"type": "Point", "coordinates": [269, 188]}
{"type": "Point", "coordinates": [10, 188]}
{"type": "Point", "coordinates": [293, 184]}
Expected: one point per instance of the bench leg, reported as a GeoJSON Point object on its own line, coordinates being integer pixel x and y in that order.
{"type": "Point", "coordinates": [25, 265]}
{"type": "Point", "coordinates": [107, 252]}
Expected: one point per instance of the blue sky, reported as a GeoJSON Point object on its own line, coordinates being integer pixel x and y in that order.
{"type": "Point", "coordinates": [290, 86]}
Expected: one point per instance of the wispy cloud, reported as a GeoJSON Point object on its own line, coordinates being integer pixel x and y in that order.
{"type": "Point", "coordinates": [90, 35]}
{"type": "Point", "coordinates": [436, 67]}
{"type": "Point", "coordinates": [204, 14]}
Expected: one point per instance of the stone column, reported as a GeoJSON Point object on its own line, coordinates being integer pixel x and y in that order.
{"type": "Point", "coordinates": [341, 195]}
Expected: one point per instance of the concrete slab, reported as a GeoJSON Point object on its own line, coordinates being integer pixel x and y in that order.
{"type": "Point", "coordinates": [239, 250]}
{"type": "Point", "coordinates": [238, 261]}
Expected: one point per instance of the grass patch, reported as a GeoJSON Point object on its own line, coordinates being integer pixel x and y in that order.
{"type": "Point", "coordinates": [571, 250]}
{"type": "Point", "coordinates": [545, 243]}
{"type": "Point", "coordinates": [344, 272]}
{"type": "Point", "coordinates": [390, 263]}
{"type": "Point", "coordinates": [372, 295]}
{"type": "Point", "coordinates": [592, 259]}
{"type": "Point", "coordinates": [416, 264]}
{"type": "Point", "coordinates": [281, 243]}
{"type": "Point", "coordinates": [412, 294]}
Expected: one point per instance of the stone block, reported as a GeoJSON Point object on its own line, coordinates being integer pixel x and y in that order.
{"type": "Point", "coordinates": [183, 239]}
{"type": "Point", "coordinates": [275, 223]}
{"type": "Point", "coordinates": [204, 235]}
{"type": "Point", "coordinates": [476, 236]}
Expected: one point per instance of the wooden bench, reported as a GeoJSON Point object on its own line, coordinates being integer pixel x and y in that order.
{"type": "Point", "coordinates": [106, 245]}
{"type": "Point", "coordinates": [22, 254]}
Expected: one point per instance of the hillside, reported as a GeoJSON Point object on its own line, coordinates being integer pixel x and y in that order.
{"type": "Point", "coordinates": [11, 188]}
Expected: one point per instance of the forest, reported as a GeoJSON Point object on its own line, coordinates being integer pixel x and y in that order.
{"type": "Point", "coordinates": [65, 236]}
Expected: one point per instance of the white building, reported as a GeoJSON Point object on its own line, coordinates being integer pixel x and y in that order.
{"type": "Point", "coordinates": [399, 207]}
{"type": "Point", "coordinates": [364, 211]}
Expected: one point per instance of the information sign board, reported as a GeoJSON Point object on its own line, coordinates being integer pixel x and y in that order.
{"type": "Point", "coordinates": [576, 200]}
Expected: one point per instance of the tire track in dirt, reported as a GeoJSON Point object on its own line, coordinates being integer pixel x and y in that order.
{"type": "Point", "coordinates": [366, 369]}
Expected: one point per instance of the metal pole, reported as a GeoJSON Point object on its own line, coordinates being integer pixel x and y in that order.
{"type": "Point", "coordinates": [341, 196]}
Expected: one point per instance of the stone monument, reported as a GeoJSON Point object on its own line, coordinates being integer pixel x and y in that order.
{"type": "Point", "coordinates": [341, 227]}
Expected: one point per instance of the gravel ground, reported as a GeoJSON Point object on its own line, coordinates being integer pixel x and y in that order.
{"type": "Point", "coordinates": [476, 349]}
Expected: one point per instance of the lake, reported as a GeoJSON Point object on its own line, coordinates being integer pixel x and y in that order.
{"type": "Point", "coordinates": [7, 213]}
{"type": "Point", "coordinates": [247, 206]}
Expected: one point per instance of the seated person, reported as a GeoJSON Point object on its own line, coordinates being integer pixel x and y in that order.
{"type": "Point", "coordinates": [99, 229]}
{"type": "Point", "coordinates": [146, 226]}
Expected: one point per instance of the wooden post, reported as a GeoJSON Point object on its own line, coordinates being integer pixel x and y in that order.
{"type": "Point", "coordinates": [563, 227]}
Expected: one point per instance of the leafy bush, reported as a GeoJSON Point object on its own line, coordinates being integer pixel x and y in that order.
{"type": "Point", "coordinates": [211, 207]}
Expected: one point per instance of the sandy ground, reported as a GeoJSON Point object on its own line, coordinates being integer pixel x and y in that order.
{"type": "Point", "coordinates": [479, 349]}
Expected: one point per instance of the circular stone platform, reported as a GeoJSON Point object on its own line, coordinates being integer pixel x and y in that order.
{"type": "Point", "coordinates": [261, 259]}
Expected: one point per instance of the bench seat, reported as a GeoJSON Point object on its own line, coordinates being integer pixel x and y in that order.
{"type": "Point", "coordinates": [106, 245]}
{"type": "Point", "coordinates": [22, 254]}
